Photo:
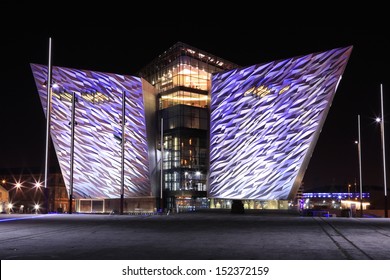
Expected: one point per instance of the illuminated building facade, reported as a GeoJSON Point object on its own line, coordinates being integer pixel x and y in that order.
{"type": "Point", "coordinates": [98, 135]}
{"type": "Point", "coordinates": [182, 79]}
{"type": "Point", "coordinates": [265, 121]}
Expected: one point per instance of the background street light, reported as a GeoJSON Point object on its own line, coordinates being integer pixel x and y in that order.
{"type": "Point", "coordinates": [360, 168]}
{"type": "Point", "coordinates": [10, 208]}
{"type": "Point", "coordinates": [36, 208]}
{"type": "Point", "coordinates": [382, 122]}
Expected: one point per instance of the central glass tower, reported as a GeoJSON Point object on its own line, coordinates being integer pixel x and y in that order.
{"type": "Point", "coordinates": [182, 79]}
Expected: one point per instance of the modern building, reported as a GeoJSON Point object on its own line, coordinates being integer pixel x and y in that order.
{"type": "Point", "coordinates": [265, 122]}
{"type": "Point", "coordinates": [182, 80]}
{"type": "Point", "coordinates": [193, 130]}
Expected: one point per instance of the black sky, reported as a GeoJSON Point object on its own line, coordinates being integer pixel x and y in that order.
{"type": "Point", "coordinates": [125, 49]}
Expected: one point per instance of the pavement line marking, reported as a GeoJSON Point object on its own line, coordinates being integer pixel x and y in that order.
{"type": "Point", "coordinates": [346, 246]}
{"type": "Point", "coordinates": [377, 228]}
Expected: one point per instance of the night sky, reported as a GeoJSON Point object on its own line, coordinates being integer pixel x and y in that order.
{"type": "Point", "coordinates": [126, 49]}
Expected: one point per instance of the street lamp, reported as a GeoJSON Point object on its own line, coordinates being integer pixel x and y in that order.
{"type": "Point", "coordinates": [36, 208]}
{"type": "Point", "coordinates": [48, 119]}
{"type": "Point", "coordinates": [72, 131]}
{"type": "Point", "coordinates": [162, 165]}
{"type": "Point", "coordinates": [382, 122]}
{"type": "Point", "coordinates": [360, 168]}
{"type": "Point", "coordinates": [10, 207]}
{"type": "Point", "coordinates": [123, 122]}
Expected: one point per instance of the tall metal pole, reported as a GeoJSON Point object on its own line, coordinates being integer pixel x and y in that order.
{"type": "Point", "coordinates": [123, 152]}
{"type": "Point", "coordinates": [162, 164]}
{"type": "Point", "coordinates": [72, 123]}
{"type": "Point", "coordinates": [383, 151]}
{"type": "Point", "coordinates": [360, 168]}
{"type": "Point", "coordinates": [48, 117]}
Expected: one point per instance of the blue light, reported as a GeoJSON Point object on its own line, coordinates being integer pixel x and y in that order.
{"type": "Point", "coordinates": [21, 218]}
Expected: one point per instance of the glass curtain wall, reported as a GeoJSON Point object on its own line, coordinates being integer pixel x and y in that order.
{"type": "Point", "coordinates": [182, 78]}
{"type": "Point", "coordinates": [185, 163]}
{"type": "Point", "coordinates": [183, 104]}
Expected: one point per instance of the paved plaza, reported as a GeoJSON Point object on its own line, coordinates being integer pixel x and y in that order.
{"type": "Point", "coordinates": [205, 235]}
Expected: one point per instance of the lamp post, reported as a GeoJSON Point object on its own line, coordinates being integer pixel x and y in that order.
{"type": "Point", "coordinates": [73, 123]}
{"type": "Point", "coordinates": [382, 122]}
{"type": "Point", "coordinates": [360, 168]}
{"type": "Point", "coordinates": [162, 164]}
{"type": "Point", "coordinates": [123, 152]}
{"type": "Point", "coordinates": [48, 117]}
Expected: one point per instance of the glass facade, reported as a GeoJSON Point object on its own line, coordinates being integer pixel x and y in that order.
{"type": "Point", "coordinates": [185, 162]}
{"type": "Point", "coordinates": [182, 79]}
{"type": "Point", "coordinates": [251, 204]}
{"type": "Point", "coordinates": [183, 116]}
{"type": "Point", "coordinates": [184, 97]}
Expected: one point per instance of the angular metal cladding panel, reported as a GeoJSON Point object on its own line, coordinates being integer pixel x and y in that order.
{"type": "Point", "coordinates": [261, 150]}
{"type": "Point", "coordinates": [97, 154]}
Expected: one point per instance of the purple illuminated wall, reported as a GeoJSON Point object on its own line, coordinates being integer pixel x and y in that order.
{"type": "Point", "coordinates": [265, 122]}
{"type": "Point", "coordinates": [97, 154]}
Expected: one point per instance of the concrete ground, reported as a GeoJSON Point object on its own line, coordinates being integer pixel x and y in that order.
{"type": "Point", "coordinates": [206, 235]}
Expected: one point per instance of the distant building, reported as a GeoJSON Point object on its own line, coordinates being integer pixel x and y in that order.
{"type": "Point", "coordinates": [345, 197]}
{"type": "Point", "coordinates": [335, 201]}
{"type": "Point", "coordinates": [4, 199]}
{"type": "Point", "coordinates": [25, 193]}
